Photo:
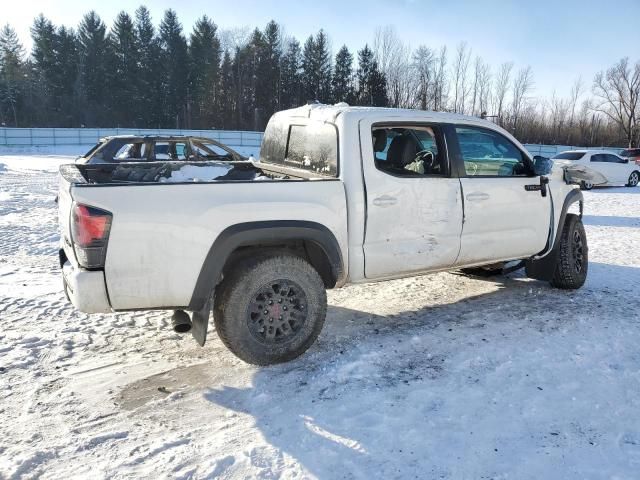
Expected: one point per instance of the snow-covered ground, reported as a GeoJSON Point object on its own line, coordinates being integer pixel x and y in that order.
{"type": "Point", "coordinates": [440, 376]}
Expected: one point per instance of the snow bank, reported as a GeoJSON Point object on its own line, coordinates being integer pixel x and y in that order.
{"type": "Point", "coordinates": [26, 163]}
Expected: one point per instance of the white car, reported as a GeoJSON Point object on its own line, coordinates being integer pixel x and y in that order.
{"type": "Point", "coordinates": [614, 169]}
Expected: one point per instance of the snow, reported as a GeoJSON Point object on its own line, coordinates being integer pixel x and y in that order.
{"type": "Point", "coordinates": [438, 376]}
{"type": "Point", "coordinates": [196, 173]}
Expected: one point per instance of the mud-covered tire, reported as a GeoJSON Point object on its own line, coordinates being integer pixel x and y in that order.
{"type": "Point", "coordinates": [634, 179]}
{"type": "Point", "coordinates": [292, 305]}
{"type": "Point", "coordinates": [573, 258]}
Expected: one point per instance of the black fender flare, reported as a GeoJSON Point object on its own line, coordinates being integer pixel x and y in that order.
{"type": "Point", "coordinates": [263, 233]}
{"type": "Point", "coordinates": [544, 268]}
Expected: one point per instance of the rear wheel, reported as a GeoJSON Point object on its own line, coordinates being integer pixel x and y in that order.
{"type": "Point", "coordinates": [634, 178]}
{"type": "Point", "coordinates": [270, 309]}
{"type": "Point", "coordinates": [573, 258]}
{"type": "Point", "coordinates": [586, 185]}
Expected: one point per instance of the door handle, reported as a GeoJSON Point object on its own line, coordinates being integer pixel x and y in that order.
{"type": "Point", "coordinates": [385, 201]}
{"type": "Point", "coordinates": [477, 197]}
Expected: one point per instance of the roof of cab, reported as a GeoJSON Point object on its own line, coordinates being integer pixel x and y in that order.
{"type": "Point", "coordinates": [324, 112]}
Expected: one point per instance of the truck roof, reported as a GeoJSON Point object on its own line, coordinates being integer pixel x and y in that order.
{"type": "Point", "coordinates": [324, 112]}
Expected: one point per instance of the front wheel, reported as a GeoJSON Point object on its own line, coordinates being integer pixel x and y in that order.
{"type": "Point", "coordinates": [634, 178]}
{"type": "Point", "coordinates": [573, 258]}
{"type": "Point", "coordinates": [270, 309]}
{"type": "Point", "coordinates": [586, 185]}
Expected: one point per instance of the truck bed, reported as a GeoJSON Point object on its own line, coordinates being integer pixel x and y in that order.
{"type": "Point", "coordinates": [178, 172]}
{"type": "Point", "coordinates": [167, 216]}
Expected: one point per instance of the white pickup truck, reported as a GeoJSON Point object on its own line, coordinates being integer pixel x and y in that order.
{"type": "Point", "coordinates": [339, 195]}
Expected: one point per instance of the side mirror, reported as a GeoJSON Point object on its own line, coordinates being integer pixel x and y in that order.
{"type": "Point", "coordinates": [542, 165]}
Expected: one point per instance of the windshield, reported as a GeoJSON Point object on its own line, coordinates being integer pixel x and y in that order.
{"type": "Point", "coordinates": [569, 156]}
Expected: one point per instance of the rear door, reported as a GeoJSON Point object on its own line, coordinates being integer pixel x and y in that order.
{"type": "Point", "coordinates": [414, 208]}
{"type": "Point", "coordinates": [505, 215]}
{"type": "Point", "coordinates": [620, 167]}
{"type": "Point", "coordinates": [601, 163]}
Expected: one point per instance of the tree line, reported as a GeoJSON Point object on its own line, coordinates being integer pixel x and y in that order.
{"type": "Point", "coordinates": [135, 74]}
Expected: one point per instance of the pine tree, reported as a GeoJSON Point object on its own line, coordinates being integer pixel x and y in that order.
{"type": "Point", "coordinates": [65, 75]}
{"type": "Point", "coordinates": [372, 88]}
{"type": "Point", "coordinates": [148, 99]}
{"type": "Point", "coordinates": [378, 87]}
{"type": "Point", "coordinates": [94, 58]}
{"type": "Point", "coordinates": [123, 70]}
{"type": "Point", "coordinates": [44, 59]}
{"type": "Point", "coordinates": [316, 68]}
{"type": "Point", "coordinates": [270, 75]}
{"type": "Point", "coordinates": [205, 68]}
{"type": "Point", "coordinates": [290, 72]}
{"type": "Point", "coordinates": [12, 80]}
{"type": "Point", "coordinates": [175, 61]}
{"type": "Point", "coordinates": [342, 89]}
{"type": "Point", "coordinates": [226, 94]}
{"type": "Point", "coordinates": [323, 62]}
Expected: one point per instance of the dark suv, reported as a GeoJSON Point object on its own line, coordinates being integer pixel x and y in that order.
{"type": "Point", "coordinates": [129, 148]}
{"type": "Point", "coordinates": [633, 154]}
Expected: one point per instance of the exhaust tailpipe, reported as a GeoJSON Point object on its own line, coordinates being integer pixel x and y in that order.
{"type": "Point", "coordinates": [181, 321]}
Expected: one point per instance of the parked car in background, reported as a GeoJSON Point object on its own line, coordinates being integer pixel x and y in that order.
{"type": "Point", "coordinates": [130, 148]}
{"type": "Point", "coordinates": [633, 154]}
{"type": "Point", "coordinates": [612, 169]}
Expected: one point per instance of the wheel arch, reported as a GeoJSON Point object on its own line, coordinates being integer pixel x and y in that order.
{"type": "Point", "coordinates": [310, 240]}
{"type": "Point", "coordinates": [544, 268]}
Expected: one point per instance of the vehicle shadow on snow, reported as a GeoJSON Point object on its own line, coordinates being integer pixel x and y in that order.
{"type": "Point", "coordinates": [633, 190]}
{"type": "Point", "coordinates": [611, 221]}
{"type": "Point", "coordinates": [334, 409]}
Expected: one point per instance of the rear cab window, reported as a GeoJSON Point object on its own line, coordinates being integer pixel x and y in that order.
{"type": "Point", "coordinates": [301, 143]}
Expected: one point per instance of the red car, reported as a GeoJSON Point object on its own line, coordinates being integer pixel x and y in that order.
{"type": "Point", "coordinates": [633, 154]}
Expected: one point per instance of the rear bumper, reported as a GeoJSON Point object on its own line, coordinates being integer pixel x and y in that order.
{"type": "Point", "coordinates": [85, 289]}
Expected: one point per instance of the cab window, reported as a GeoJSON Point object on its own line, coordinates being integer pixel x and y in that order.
{"type": "Point", "coordinates": [487, 153]}
{"type": "Point", "coordinates": [408, 151]}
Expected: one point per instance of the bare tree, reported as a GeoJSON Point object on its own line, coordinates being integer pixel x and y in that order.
{"type": "Point", "coordinates": [522, 85]}
{"type": "Point", "coordinates": [424, 66]}
{"type": "Point", "coordinates": [618, 92]}
{"type": "Point", "coordinates": [501, 88]}
{"type": "Point", "coordinates": [441, 90]}
{"type": "Point", "coordinates": [459, 72]}
{"type": "Point", "coordinates": [484, 88]}
{"type": "Point", "coordinates": [394, 60]}
{"type": "Point", "coordinates": [232, 39]}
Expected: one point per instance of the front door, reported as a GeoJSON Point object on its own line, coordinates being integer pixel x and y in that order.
{"type": "Point", "coordinates": [505, 215]}
{"type": "Point", "coordinates": [414, 207]}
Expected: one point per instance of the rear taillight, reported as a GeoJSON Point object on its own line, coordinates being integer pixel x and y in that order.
{"type": "Point", "coordinates": [90, 228]}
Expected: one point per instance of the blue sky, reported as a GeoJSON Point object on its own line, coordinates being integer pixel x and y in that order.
{"type": "Point", "coordinates": [559, 39]}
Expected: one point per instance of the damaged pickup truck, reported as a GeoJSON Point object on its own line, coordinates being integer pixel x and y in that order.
{"type": "Point", "coordinates": [339, 195]}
